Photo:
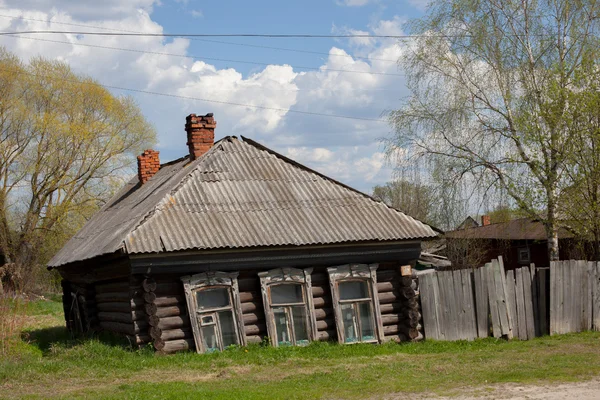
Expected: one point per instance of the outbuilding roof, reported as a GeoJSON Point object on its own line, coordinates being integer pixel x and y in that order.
{"type": "Point", "coordinates": [517, 229]}
{"type": "Point", "coordinates": [238, 195]}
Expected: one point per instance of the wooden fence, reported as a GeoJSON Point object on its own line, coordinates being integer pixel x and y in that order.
{"type": "Point", "coordinates": [523, 303]}
{"type": "Point", "coordinates": [574, 296]}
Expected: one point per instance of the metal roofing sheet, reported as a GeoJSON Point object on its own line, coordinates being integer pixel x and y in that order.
{"type": "Point", "coordinates": [517, 229]}
{"type": "Point", "coordinates": [239, 194]}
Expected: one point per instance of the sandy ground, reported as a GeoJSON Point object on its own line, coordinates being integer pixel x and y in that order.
{"type": "Point", "coordinates": [588, 390]}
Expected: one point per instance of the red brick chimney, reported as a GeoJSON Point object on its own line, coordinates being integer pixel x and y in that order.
{"type": "Point", "coordinates": [485, 220]}
{"type": "Point", "coordinates": [200, 133]}
{"type": "Point", "coordinates": [148, 165]}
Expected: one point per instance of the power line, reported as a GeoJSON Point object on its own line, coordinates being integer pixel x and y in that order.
{"type": "Point", "coordinates": [199, 98]}
{"type": "Point", "coordinates": [261, 35]}
{"type": "Point", "coordinates": [202, 58]}
{"type": "Point", "coordinates": [207, 40]}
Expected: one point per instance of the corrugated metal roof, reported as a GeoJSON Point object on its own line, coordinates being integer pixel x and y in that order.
{"type": "Point", "coordinates": [517, 229]}
{"type": "Point", "coordinates": [239, 194]}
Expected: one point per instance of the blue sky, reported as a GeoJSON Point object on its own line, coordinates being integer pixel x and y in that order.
{"type": "Point", "coordinates": [347, 150]}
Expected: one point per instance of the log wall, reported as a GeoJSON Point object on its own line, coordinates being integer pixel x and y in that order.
{"type": "Point", "coordinates": [165, 308]}
{"type": "Point", "coordinates": [79, 306]}
{"type": "Point", "coordinates": [398, 304]}
{"type": "Point", "coordinates": [159, 310]}
{"type": "Point", "coordinates": [118, 312]}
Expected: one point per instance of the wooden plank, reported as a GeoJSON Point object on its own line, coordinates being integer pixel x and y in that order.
{"type": "Point", "coordinates": [511, 300]}
{"type": "Point", "coordinates": [528, 301]}
{"type": "Point", "coordinates": [458, 305]}
{"type": "Point", "coordinates": [469, 299]}
{"type": "Point", "coordinates": [447, 289]}
{"type": "Point", "coordinates": [589, 278]}
{"type": "Point", "coordinates": [493, 304]}
{"type": "Point", "coordinates": [503, 277]}
{"type": "Point", "coordinates": [430, 323]}
{"type": "Point", "coordinates": [438, 307]}
{"type": "Point", "coordinates": [556, 296]}
{"type": "Point", "coordinates": [482, 303]}
{"type": "Point", "coordinates": [596, 297]}
{"type": "Point", "coordinates": [542, 276]}
{"type": "Point", "coordinates": [553, 297]}
{"type": "Point", "coordinates": [520, 300]}
{"type": "Point", "coordinates": [573, 297]}
{"type": "Point", "coordinates": [535, 298]}
{"type": "Point", "coordinates": [501, 298]}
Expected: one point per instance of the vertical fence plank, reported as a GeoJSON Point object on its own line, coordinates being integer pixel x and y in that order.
{"type": "Point", "coordinates": [522, 324]}
{"type": "Point", "coordinates": [535, 298]}
{"type": "Point", "coordinates": [441, 329]}
{"type": "Point", "coordinates": [500, 298]}
{"type": "Point", "coordinates": [446, 291]}
{"type": "Point", "coordinates": [459, 304]}
{"type": "Point", "coordinates": [504, 304]}
{"type": "Point", "coordinates": [542, 275]}
{"type": "Point", "coordinates": [586, 306]}
{"type": "Point", "coordinates": [468, 298]}
{"type": "Point", "coordinates": [553, 297]}
{"type": "Point", "coordinates": [572, 298]}
{"type": "Point", "coordinates": [428, 308]}
{"type": "Point", "coordinates": [489, 275]}
{"type": "Point", "coordinates": [482, 303]}
{"type": "Point", "coordinates": [511, 300]}
{"type": "Point", "coordinates": [528, 301]}
{"type": "Point", "coordinates": [596, 297]}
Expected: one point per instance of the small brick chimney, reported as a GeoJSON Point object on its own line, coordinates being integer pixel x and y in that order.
{"type": "Point", "coordinates": [485, 220]}
{"type": "Point", "coordinates": [148, 165]}
{"type": "Point", "coordinates": [200, 133]}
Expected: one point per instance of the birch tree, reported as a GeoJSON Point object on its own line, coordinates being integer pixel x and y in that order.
{"type": "Point", "coordinates": [64, 143]}
{"type": "Point", "coordinates": [490, 84]}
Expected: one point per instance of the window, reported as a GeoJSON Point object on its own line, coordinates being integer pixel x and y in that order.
{"type": "Point", "coordinates": [523, 255]}
{"type": "Point", "coordinates": [287, 297]}
{"type": "Point", "coordinates": [356, 307]}
{"type": "Point", "coordinates": [214, 305]}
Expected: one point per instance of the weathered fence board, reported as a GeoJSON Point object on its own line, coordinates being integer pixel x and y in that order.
{"type": "Point", "coordinates": [542, 275]}
{"type": "Point", "coordinates": [481, 303]}
{"type": "Point", "coordinates": [448, 305]}
{"type": "Point", "coordinates": [596, 296]}
{"type": "Point", "coordinates": [526, 302]}
{"type": "Point", "coordinates": [573, 296]}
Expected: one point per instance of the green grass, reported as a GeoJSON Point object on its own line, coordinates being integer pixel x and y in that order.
{"type": "Point", "coordinates": [50, 364]}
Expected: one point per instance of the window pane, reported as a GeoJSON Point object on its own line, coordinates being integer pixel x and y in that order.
{"type": "Point", "coordinates": [281, 326]}
{"type": "Point", "coordinates": [212, 298]}
{"type": "Point", "coordinates": [366, 321]}
{"type": "Point", "coordinates": [286, 293]}
{"type": "Point", "coordinates": [353, 290]}
{"type": "Point", "coordinates": [299, 315]}
{"type": "Point", "coordinates": [348, 322]}
{"type": "Point", "coordinates": [227, 328]}
{"type": "Point", "coordinates": [209, 336]}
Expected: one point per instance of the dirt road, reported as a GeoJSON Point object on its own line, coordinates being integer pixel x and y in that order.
{"type": "Point", "coordinates": [588, 390]}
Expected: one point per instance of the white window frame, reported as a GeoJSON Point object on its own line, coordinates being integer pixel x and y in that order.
{"type": "Point", "coordinates": [356, 272]}
{"type": "Point", "coordinates": [282, 276]}
{"type": "Point", "coordinates": [213, 280]}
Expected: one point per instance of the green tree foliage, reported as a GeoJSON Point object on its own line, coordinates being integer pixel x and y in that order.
{"type": "Point", "coordinates": [492, 84]}
{"type": "Point", "coordinates": [65, 144]}
{"type": "Point", "coordinates": [411, 198]}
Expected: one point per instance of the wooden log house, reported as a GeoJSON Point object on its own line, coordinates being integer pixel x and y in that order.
{"type": "Point", "coordinates": [235, 243]}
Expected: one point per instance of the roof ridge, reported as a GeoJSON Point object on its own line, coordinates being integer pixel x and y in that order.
{"type": "Point", "coordinates": [350, 188]}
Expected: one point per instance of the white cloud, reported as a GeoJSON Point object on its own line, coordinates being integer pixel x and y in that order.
{"type": "Point", "coordinates": [345, 149]}
{"type": "Point", "coordinates": [197, 14]}
{"type": "Point", "coordinates": [84, 9]}
{"type": "Point", "coordinates": [354, 3]}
